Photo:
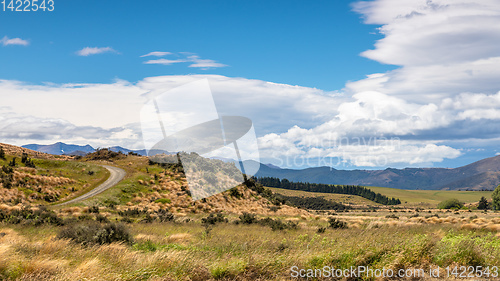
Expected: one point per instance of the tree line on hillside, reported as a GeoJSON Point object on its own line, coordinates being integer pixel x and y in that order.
{"type": "Point", "coordinates": [329, 188]}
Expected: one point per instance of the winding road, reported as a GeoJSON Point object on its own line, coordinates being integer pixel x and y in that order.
{"type": "Point", "coordinates": [115, 176]}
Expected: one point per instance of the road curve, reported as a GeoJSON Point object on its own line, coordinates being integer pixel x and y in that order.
{"type": "Point", "coordinates": [115, 176]}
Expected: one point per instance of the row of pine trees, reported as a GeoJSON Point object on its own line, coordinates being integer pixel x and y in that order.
{"type": "Point", "coordinates": [329, 188]}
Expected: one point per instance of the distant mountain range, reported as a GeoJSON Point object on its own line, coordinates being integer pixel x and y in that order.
{"type": "Point", "coordinates": [483, 174]}
{"type": "Point", "coordinates": [60, 148]}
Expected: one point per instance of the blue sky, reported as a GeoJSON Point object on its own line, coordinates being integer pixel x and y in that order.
{"type": "Point", "coordinates": [371, 84]}
{"type": "Point", "coordinates": [293, 42]}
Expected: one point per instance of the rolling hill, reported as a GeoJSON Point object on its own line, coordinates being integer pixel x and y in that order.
{"type": "Point", "coordinates": [480, 175]}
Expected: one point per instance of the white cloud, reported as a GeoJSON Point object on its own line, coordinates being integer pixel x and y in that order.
{"type": "Point", "coordinates": [117, 105]}
{"type": "Point", "coordinates": [6, 41]}
{"type": "Point", "coordinates": [156, 54]}
{"type": "Point", "coordinates": [445, 47]}
{"type": "Point", "coordinates": [446, 90]}
{"type": "Point", "coordinates": [194, 59]}
{"type": "Point", "coordinates": [87, 51]}
{"type": "Point", "coordinates": [163, 61]}
{"type": "Point", "coordinates": [203, 63]}
{"type": "Point", "coordinates": [23, 129]}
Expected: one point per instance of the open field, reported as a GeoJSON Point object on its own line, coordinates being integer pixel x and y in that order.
{"type": "Point", "coordinates": [171, 237]}
{"type": "Point", "coordinates": [409, 198]}
{"type": "Point", "coordinates": [432, 197]}
{"type": "Point", "coordinates": [189, 251]}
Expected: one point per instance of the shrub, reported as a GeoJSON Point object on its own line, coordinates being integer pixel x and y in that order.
{"type": "Point", "coordinates": [234, 192]}
{"type": "Point", "coordinates": [277, 224]}
{"type": "Point", "coordinates": [94, 209]}
{"type": "Point", "coordinates": [321, 229]}
{"type": "Point", "coordinates": [101, 219]}
{"type": "Point", "coordinates": [94, 233]}
{"type": "Point", "coordinates": [27, 215]}
{"type": "Point", "coordinates": [163, 201]}
{"type": "Point", "coordinates": [393, 216]}
{"type": "Point", "coordinates": [2, 153]}
{"type": "Point", "coordinates": [336, 223]}
{"type": "Point", "coordinates": [127, 220]}
{"type": "Point", "coordinates": [451, 203]}
{"type": "Point", "coordinates": [247, 218]}
{"type": "Point", "coordinates": [274, 208]}
{"type": "Point", "coordinates": [164, 215]}
{"type": "Point", "coordinates": [148, 219]}
{"type": "Point", "coordinates": [211, 219]}
{"type": "Point", "coordinates": [483, 204]}
{"type": "Point", "coordinates": [134, 212]}
{"type": "Point", "coordinates": [13, 162]}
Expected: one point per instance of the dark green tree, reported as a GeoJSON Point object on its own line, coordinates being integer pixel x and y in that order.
{"type": "Point", "coordinates": [13, 162]}
{"type": "Point", "coordinates": [496, 198]}
{"type": "Point", "coordinates": [483, 204]}
{"type": "Point", "coordinates": [2, 153]}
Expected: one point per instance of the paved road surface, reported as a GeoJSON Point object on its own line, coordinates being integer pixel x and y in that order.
{"type": "Point", "coordinates": [115, 176]}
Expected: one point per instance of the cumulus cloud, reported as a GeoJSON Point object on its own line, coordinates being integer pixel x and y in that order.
{"type": "Point", "coordinates": [88, 51]}
{"type": "Point", "coordinates": [117, 105]}
{"type": "Point", "coordinates": [444, 47]}
{"type": "Point", "coordinates": [6, 41]}
{"type": "Point", "coordinates": [193, 59]}
{"type": "Point", "coordinates": [445, 91]}
{"type": "Point", "coordinates": [22, 129]}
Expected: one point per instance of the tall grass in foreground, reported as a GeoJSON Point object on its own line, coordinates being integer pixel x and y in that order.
{"type": "Point", "coordinates": [187, 251]}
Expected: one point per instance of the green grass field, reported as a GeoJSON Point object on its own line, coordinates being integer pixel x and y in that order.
{"type": "Point", "coordinates": [428, 198]}
{"type": "Point", "coordinates": [432, 197]}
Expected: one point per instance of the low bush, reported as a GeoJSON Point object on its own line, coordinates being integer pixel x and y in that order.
{"type": "Point", "coordinates": [451, 203]}
{"type": "Point", "coordinates": [163, 200]}
{"type": "Point", "coordinates": [27, 215]}
{"type": "Point", "coordinates": [164, 215]}
{"type": "Point", "coordinates": [94, 233]}
{"type": "Point", "coordinates": [247, 218]}
{"type": "Point", "coordinates": [321, 229]}
{"type": "Point", "coordinates": [134, 212]}
{"type": "Point", "coordinates": [211, 219]}
{"type": "Point", "coordinates": [277, 224]}
{"type": "Point", "coordinates": [336, 223]}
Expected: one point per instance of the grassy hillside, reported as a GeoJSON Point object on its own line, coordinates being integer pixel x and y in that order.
{"type": "Point", "coordinates": [49, 182]}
